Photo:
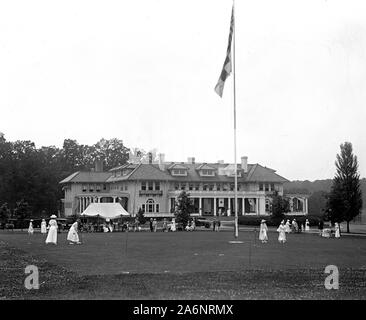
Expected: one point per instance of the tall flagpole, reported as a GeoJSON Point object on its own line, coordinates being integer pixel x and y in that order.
{"type": "Point", "coordinates": [236, 228]}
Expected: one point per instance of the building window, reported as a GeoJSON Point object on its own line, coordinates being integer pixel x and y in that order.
{"type": "Point", "coordinates": [272, 187]}
{"type": "Point", "coordinates": [150, 205]}
{"type": "Point", "coordinates": [205, 186]}
{"type": "Point", "coordinates": [91, 188]}
{"type": "Point", "coordinates": [210, 187]}
{"type": "Point", "coordinates": [182, 186]}
{"type": "Point", "coordinates": [84, 188]}
{"type": "Point", "coordinates": [97, 188]}
{"type": "Point", "coordinates": [143, 185]}
{"type": "Point", "coordinates": [266, 187]}
{"type": "Point", "coordinates": [224, 187]}
{"type": "Point", "coordinates": [179, 172]}
{"type": "Point", "coordinates": [150, 185]}
{"type": "Point", "coordinates": [157, 185]}
{"type": "Point", "coordinates": [191, 186]}
{"type": "Point", "coordinates": [126, 188]}
{"type": "Point", "coordinates": [104, 187]}
{"type": "Point", "coordinates": [143, 208]}
{"type": "Point", "coordinates": [197, 186]}
{"type": "Point", "coordinates": [218, 187]}
{"type": "Point", "coordinates": [261, 187]}
{"type": "Point", "coordinates": [176, 186]}
{"type": "Point", "coordinates": [232, 186]}
{"type": "Point", "coordinates": [207, 172]}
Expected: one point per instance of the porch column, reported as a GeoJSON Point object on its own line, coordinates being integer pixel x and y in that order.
{"type": "Point", "coordinates": [229, 206]}
{"type": "Point", "coordinates": [80, 205]}
{"type": "Point", "coordinates": [200, 206]}
{"type": "Point", "coordinates": [306, 205]}
{"type": "Point", "coordinates": [243, 206]}
{"type": "Point", "coordinates": [214, 206]}
{"type": "Point", "coordinates": [257, 205]}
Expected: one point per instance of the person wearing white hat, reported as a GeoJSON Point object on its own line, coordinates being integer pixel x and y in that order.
{"type": "Point", "coordinates": [287, 226]}
{"type": "Point", "coordinates": [52, 231]}
{"type": "Point", "coordinates": [337, 233]}
{"type": "Point", "coordinates": [263, 232]}
{"type": "Point", "coordinates": [43, 226]}
{"type": "Point", "coordinates": [173, 225]}
{"type": "Point", "coordinates": [282, 234]}
{"type": "Point", "coordinates": [307, 225]}
{"type": "Point", "coordinates": [30, 228]}
{"type": "Point", "coordinates": [72, 235]}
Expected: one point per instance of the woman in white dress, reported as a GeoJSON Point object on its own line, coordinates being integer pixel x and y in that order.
{"type": "Point", "coordinates": [287, 226]}
{"type": "Point", "coordinates": [263, 232]}
{"type": "Point", "coordinates": [337, 230]}
{"type": "Point", "coordinates": [72, 235]}
{"type": "Point", "coordinates": [52, 231]}
{"type": "Point", "coordinates": [43, 226]}
{"type": "Point", "coordinates": [282, 233]}
{"type": "Point", "coordinates": [30, 228]}
{"type": "Point", "coordinates": [173, 226]}
{"type": "Point", "coordinates": [307, 225]}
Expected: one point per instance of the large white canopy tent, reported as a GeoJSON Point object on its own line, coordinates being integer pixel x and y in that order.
{"type": "Point", "coordinates": [105, 210]}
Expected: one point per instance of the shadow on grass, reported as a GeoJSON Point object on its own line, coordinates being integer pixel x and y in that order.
{"type": "Point", "coordinates": [58, 283]}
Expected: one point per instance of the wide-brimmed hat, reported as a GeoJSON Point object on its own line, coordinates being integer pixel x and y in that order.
{"type": "Point", "coordinates": [31, 220]}
{"type": "Point", "coordinates": [53, 216]}
{"type": "Point", "coordinates": [263, 221]}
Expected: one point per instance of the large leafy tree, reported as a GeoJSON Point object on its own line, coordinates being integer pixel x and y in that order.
{"type": "Point", "coordinates": [112, 152]}
{"type": "Point", "coordinates": [4, 213]}
{"type": "Point", "coordinates": [22, 211]}
{"type": "Point", "coordinates": [318, 202]}
{"type": "Point", "coordinates": [140, 216]}
{"type": "Point", "coordinates": [183, 208]}
{"type": "Point", "coordinates": [345, 199]}
{"type": "Point", "coordinates": [280, 206]}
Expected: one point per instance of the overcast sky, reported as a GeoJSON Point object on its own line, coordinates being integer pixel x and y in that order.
{"type": "Point", "coordinates": [145, 71]}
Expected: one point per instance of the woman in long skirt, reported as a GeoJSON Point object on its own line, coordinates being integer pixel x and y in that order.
{"type": "Point", "coordinates": [337, 230]}
{"type": "Point", "coordinates": [72, 235]}
{"type": "Point", "coordinates": [263, 232]}
{"type": "Point", "coordinates": [287, 226]}
{"type": "Point", "coordinates": [307, 225]}
{"type": "Point", "coordinates": [173, 226]}
{"type": "Point", "coordinates": [52, 231]}
{"type": "Point", "coordinates": [282, 232]}
{"type": "Point", "coordinates": [43, 226]}
{"type": "Point", "coordinates": [30, 228]}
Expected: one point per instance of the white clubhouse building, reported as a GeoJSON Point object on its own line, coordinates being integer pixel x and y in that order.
{"type": "Point", "coordinates": [154, 187]}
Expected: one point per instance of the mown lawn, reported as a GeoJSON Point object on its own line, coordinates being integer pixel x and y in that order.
{"type": "Point", "coordinates": [198, 265]}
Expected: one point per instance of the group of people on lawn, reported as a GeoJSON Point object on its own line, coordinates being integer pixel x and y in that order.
{"type": "Point", "coordinates": [293, 227]}
{"type": "Point", "coordinates": [72, 235]}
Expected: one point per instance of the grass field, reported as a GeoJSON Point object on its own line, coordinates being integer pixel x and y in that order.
{"type": "Point", "coordinates": [182, 265]}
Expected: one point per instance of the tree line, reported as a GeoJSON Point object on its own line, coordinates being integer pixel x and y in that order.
{"type": "Point", "coordinates": [30, 176]}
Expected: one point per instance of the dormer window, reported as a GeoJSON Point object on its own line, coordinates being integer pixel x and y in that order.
{"type": "Point", "coordinates": [179, 172]}
{"type": "Point", "coordinates": [207, 172]}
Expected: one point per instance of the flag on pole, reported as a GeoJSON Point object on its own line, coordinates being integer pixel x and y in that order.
{"type": "Point", "coordinates": [227, 68]}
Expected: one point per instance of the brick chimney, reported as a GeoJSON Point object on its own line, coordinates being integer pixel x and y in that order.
{"type": "Point", "coordinates": [192, 160]}
{"type": "Point", "coordinates": [244, 164]}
